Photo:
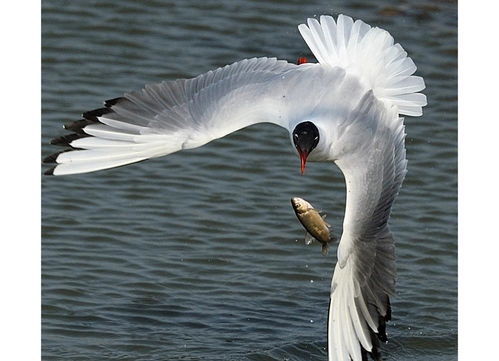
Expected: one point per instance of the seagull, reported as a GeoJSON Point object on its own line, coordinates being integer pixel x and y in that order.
{"type": "Point", "coordinates": [346, 109]}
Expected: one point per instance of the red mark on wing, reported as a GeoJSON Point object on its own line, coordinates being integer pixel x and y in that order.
{"type": "Point", "coordinates": [301, 60]}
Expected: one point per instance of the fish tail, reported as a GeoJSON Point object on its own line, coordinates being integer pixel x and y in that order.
{"type": "Point", "coordinates": [325, 249]}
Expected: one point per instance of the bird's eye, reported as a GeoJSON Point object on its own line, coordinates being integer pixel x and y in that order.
{"type": "Point", "coordinates": [296, 135]}
{"type": "Point", "coordinates": [316, 138]}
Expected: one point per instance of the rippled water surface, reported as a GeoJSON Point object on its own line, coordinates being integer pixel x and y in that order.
{"type": "Point", "coordinates": [198, 255]}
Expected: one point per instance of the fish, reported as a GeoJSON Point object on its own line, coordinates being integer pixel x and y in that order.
{"type": "Point", "coordinates": [314, 223]}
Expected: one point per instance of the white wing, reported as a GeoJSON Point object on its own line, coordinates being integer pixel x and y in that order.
{"type": "Point", "coordinates": [364, 276]}
{"type": "Point", "coordinates": [166, 117]}
{"type": "Point", "coordinates": [369, 53]}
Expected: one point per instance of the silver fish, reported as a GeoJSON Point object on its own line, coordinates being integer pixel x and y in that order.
{"type": "Point", "coordinates": [313, 222]}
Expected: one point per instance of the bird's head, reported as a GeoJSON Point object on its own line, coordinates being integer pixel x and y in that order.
{"type": "Point", "coordinates": [305, 138]}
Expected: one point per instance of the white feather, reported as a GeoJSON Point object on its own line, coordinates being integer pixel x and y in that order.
{"type": "Point", "coordinates": [92, 166]}
{"type": "Point", "coordinates": [368, 52]}
{"type": "Point", "coordinates": [96, 143]}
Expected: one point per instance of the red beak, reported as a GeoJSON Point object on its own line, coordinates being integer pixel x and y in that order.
{"type": "Point", "coordinates": [303, 160]}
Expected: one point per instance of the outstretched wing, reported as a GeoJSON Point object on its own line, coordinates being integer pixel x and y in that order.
{"type": "Point", "coordinates": [166, 117]}
{"type": "Point", "coordinates": [364, 276]}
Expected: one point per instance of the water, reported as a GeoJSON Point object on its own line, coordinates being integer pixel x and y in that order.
{"type": "Point", "coordinates": [198, 255]}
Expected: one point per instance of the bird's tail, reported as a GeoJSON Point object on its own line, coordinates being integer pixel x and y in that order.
{"type": "Point", "coordinates": [371, 54]}
{"type": "Point", "coordinates": [100, 142]}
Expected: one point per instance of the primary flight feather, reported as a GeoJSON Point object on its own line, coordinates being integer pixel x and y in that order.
{"type": "Point", "coordinates": [344, 109]}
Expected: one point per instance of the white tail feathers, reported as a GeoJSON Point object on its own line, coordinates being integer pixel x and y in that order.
{"type": "Point", "coordinates": [369, 53]}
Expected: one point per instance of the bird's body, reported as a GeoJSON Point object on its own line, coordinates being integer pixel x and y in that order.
{"type": "Point", "coordinates": [345, 109]}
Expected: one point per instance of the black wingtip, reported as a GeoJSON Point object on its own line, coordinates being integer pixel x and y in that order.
{"type": "Point", "coordinates": [378, 337]}
{"type": "Point", "coordinates": [50, 171]}
{"type": "Point", "coordinates": [375, 354]}
{"type": "Point", "coordinates": [382, 330]}
{"type": "Point", "coordinates": [53, 157]}
{"type": "Point", "coordinates": [375, 351]}
{"type": "Point", "coordinates": [93, 114]}
{"type": "Point", "coordinates": [382, 320]}
{"type": "Point", "coordinates": [114, 101]}
{"type": "Point", "coordinates": [363, 353]}
{"type": "Point", "coordinates": [91, 117]}
{"type": "Point", "coordinates": [388, 315]}
{"type": "Point", "coordinates": [78, 125]}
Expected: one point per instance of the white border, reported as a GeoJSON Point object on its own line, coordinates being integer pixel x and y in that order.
{"type": "Point", "coordinates": [478, 180]}
{"type": "Point", "coordinates": [21, 173]}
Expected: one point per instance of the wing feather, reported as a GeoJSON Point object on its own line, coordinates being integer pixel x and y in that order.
{"type": "Point", "coordinates": [364, 277]}
{"type": "Point", "coordinates": [166, 117]}
{"type": "Point", "coordinates": [370, 53]}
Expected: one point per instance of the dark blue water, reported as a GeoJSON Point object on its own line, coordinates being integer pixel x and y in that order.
{"type": "Point", "coordinates": [198, 255]}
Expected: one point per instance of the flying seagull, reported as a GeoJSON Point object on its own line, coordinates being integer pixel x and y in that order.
{"type": "Point", "coordinates": [346, 109]}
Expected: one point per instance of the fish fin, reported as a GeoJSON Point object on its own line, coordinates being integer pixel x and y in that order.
{"type": "Point", "coordinates": [308, 238]}
{"type": "Point", "coordinates": [325, 249]}
{"type": "Point", "coordinates": [324, 219]}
